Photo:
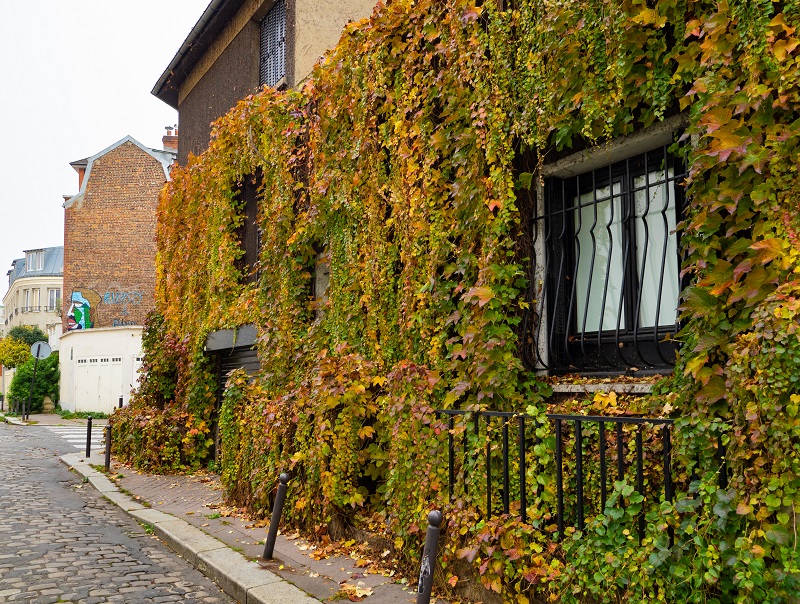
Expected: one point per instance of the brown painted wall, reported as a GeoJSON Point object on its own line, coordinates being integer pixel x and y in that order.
{"type": "Point", "coordinates": [109, 238]}
{"type": "Point", "coordinates": [232, 77]}
{"type": "Point", "coordinates": [229, 70]}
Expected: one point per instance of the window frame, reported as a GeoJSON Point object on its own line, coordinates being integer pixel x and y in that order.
{"type": "Point", "coordinates": [562, 345]}
{"type": "Point", "coordinates": [272, 46]}
{"type": "Point", "coordinates": [53, 302]}
{"type": "Point", "coordinates": [34, 261]}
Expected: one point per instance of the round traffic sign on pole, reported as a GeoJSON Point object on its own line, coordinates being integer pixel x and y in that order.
{"type": "Point", "coordinates": [40, 350]}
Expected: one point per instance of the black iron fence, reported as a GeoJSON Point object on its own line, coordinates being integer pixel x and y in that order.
{"type": "Point", "coordinates": [521, 454]}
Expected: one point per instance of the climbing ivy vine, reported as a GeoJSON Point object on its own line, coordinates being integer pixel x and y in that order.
{"type": "Point", "coordinates": [398, 164]}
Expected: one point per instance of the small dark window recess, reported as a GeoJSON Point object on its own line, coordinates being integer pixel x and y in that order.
{"type": "Point", "coordinates": [250, 232]}
{"type": "Point", "coordinates": [611, 278]}
{"type": "Point", "coordinates": [321, 281]}
{"type": "Point", "coordinates": [272, 62]}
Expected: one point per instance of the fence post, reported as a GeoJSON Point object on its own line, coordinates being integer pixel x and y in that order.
{"type": "Point", "coordinates": [429, 553]}
{"type": "Point", "coordinates": [108, 447]}
{"type": "Point", "coordinates": [89, 437]}
{"type": "Point", "coordinates": [274, 520]}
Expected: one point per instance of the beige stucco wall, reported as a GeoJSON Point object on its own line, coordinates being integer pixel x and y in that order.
{"type": "Point", "coordinates": [319, 25]}
{"type": "Point", "coordinates": [314, 25]}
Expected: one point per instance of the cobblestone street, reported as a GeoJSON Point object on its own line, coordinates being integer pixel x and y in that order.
{"type": "Point", "coordinates": [60, 541]}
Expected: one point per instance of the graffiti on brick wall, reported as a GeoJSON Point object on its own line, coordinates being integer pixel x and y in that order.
{"type": "Point", "coordinates": [122, 300]}
{"type": "Point", "coordinates": [122, 323]}
{"type": "Point", "coordinates": [79, 315]}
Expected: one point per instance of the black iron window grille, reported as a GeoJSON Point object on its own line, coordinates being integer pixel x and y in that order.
{"type": "Point", "coordinates": [611, 275]}
{"type": "Point", "coordinates": [272, 62]}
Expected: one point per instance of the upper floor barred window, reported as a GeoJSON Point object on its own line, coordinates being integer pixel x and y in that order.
{"type": "Point", "coordinates": [272, 61]}
{"type": "Point", "coordinates": [611, 275]}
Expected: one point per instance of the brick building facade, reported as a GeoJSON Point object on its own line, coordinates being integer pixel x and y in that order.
{"type": "Point", "coordinates": [109, 271]}
{"type": "Point", "coordinates": [109, 237]}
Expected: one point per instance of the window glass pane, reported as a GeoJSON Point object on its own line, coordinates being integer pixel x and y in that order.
{"type": "Point", "coordinates": [656, 249]}
{"type": "Point", "coordinates": [598, 250]}
{"type": "Point", "coordinates": [52, 297]}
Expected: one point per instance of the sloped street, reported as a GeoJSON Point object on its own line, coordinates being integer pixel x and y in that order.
{"type": "Point", "coordinates": [61, 542]}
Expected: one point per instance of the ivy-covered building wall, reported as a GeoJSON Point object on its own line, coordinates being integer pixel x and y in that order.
{"type": "Point", "coordinates": [411, 164]}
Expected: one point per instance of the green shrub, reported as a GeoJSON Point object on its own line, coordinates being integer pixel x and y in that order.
{"type": "Point", "coordinates": [46, 385]}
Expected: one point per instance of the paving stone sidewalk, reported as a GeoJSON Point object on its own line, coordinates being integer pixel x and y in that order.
{"type": "Point", "coordinates": [197, 499]}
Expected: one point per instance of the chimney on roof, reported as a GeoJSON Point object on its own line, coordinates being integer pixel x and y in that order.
{"type": "Point", "coordinates": [170, 140]}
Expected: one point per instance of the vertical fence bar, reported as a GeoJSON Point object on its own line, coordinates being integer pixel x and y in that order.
{"type": "Point", "coordinates": [559, 482]}
{"type": "Point", "coordinates": [451, 465]}
{"type": "Point", "coordinates": [640, 478]}
{"type": "Point", "coordinates": [579, 472]}
{"type": "Point", "coordinates": [506, 477]}
{"type": "Point", "coordinates": [536, 442]}
{"type": "Point", "coordinates": [466, 456]}
{"type": "Point", "coordinates": [488, 469]}
{"type": "Point", "coordinates": [603, 494]}
{"type": "Point", "coordinates": [523, 499]}
{"type": "Point", "coordinates": [723, 467]}
{"type": "Point", "coordinates": [620, 453]}
{"type": "Point", "coordinates": [666, 445]}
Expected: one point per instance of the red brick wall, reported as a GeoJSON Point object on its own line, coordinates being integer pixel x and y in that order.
{"type": "Point", "coordinates": [109, 238]}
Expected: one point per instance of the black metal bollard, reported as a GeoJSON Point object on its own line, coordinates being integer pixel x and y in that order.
{"type": "Point", "coordinates": [274, 520]}
{"type": "Point", "coordinates": [120, 402]}
{"type": "Point", "coordinates": [429, 553]}
{"type": "Point", "coordinates": [89, 437]}
{"type": "Point", "coordinates": [108, 447]}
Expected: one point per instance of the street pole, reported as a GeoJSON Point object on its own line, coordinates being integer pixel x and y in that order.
{"type": "Point", "coordinates": [26, 412]}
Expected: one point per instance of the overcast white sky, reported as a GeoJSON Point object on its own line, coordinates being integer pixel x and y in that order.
{"type": "Point", "coordinates": [75, 77]}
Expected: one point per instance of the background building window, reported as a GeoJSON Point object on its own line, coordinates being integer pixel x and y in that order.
{"type": "Point", "coordinates": [612, 265]}
{"type": "Point", "coordinates": [272, 62]}
{"type": "Point", "coordinates": [54, 299]}
{"type": "Point", "coordinates": [35, 261]}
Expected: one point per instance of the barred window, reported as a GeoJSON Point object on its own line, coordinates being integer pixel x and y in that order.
{"type": "Point", "coordinates": [612, 266]}
{"type": "Point", "coordinates": [272, 63]}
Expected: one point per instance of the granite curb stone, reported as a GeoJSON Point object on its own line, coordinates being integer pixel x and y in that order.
{"type": "Point", "coordinates": [240, 578]}
{"type": "Point", "coordinates": [186, 539]}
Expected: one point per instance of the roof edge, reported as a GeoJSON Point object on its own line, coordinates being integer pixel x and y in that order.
{"type": "Point", "coordinates": [165, 158]}
{"type": "Point", "coordinates": [192, 49]}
